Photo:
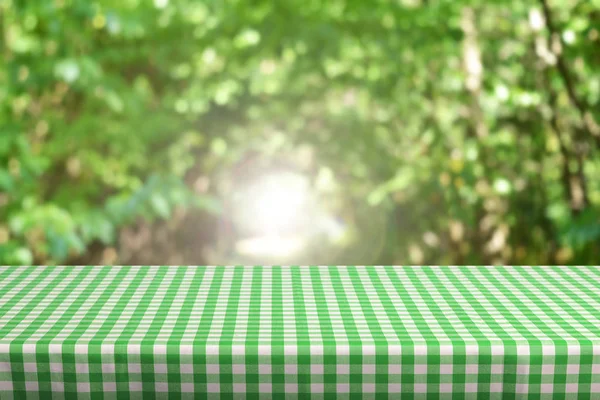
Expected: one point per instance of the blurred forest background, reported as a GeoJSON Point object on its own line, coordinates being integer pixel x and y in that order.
{"type": "Point", "coordinates": [429, 132]}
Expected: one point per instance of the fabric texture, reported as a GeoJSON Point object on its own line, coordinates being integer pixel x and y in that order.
{"type": "Point", "coordinates": [290, 332]}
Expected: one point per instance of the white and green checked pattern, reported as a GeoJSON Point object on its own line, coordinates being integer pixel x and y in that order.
{"type": "Point", "coordinates": [333, 332]}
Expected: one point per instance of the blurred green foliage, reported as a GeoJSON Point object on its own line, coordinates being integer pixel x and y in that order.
{"type": "Point", "coordinates": [472, 125]}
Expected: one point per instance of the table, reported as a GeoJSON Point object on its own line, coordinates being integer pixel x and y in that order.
{"type": "Point", "coordinates": [284, 332]}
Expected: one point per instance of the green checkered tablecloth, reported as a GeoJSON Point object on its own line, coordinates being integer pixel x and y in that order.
{"type": "Point", "coordinates": [285, 332]}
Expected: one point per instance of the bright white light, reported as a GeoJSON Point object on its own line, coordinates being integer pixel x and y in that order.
{"type": "Point", "coordinates": [270, 247]}
{"type": "Point", "coordinates": [278, 218]}
{"type": "Point", "coordinates": [161, 3]}
{"type": "Point", "coordinates": [276, 204]}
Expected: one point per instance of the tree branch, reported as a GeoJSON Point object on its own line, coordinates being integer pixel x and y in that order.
{"type": "Point", "coordinates": [589, 124]}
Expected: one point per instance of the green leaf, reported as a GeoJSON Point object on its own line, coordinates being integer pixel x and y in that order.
{"type": "Point", "coordinates": [68, 70]}
{"type": "Point", "coordinates": [115, 103]}
{"type": "Point", "coordinates": [208, 203]}
{"type": "Point", "coordinates": [6, 181]}
{"type": "Point", "coordinates": [400, 182]}
{"type": "Point", "coordinates": [502, 186]}
{"type": "Point", "coordinates": [22, 256]}
{"type": "Point", "coordinates": [160, 205]}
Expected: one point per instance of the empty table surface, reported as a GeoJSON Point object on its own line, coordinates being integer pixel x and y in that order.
{"type": "Point", "coordinates": [333, 332]}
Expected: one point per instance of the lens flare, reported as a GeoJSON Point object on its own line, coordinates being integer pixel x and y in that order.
{"type": "Point", "coordinates": [274, 205]}
{"type": "Point", "coordinates": [279, 218]}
